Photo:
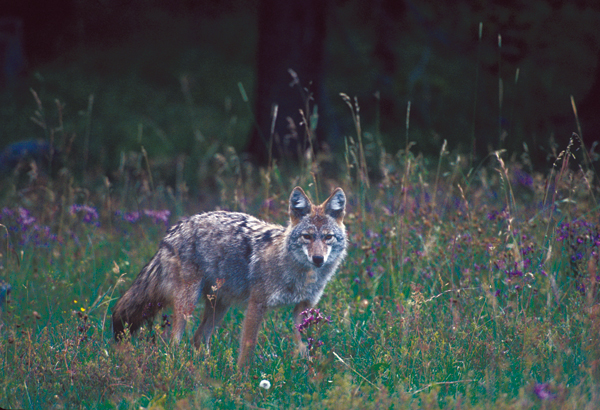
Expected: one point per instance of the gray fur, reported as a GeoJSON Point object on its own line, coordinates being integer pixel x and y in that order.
{"type": "Point", "coordinates": [248, 258]}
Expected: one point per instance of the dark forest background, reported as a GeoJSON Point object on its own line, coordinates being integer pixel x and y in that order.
{"type": "Point", "coordinates": [186, 78]}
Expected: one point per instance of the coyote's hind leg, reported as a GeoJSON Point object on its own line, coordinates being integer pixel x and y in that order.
{"type": "Point", "coordinates": [186, 290]}
{"type": "Point", "coordinates": [214, 311]}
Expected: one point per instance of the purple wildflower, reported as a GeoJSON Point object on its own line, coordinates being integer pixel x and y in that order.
{"type": "Point", "coordinates": [312, 318]}
{"type": "Point", "coordinates": [131, 217]}
{"type": "Point", "coordinates": [369, 233]}
{"type": "Point", "coordinates": [497, 215]}
{"type": "Point", "coordinates": [7, 212]}
{"type": "Point", "coordinates": [514, 273]}
{"type": "Point", "coordinates": [42, 235]}
{"type": "Point", "coordinates": [158, 216]}
{"type": "Point", "coordinates": [24, 218]}
{"type": "Point", "coordinates": [90, 214]}
{"type": "Point", "coordinates": [541, 390]}
{"type": "Point", "coordinates": [523, 178]}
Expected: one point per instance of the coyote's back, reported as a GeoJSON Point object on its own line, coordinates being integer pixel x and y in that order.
{"type": "Point", "coordinates": [234, 258]}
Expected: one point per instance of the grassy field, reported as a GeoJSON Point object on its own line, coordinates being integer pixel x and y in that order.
{"type": "Point", "coordinates": [464, 287]}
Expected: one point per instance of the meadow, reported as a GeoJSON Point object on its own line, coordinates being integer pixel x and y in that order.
{"type": "Point", "coordinates": [465, 286]}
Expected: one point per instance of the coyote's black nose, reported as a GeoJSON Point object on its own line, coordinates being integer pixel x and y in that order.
{"type": "Point", "coordinates": [318, 260]}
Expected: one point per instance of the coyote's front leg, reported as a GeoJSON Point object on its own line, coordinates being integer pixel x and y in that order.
{"type": "Point", "coordinates": [300, 345]}
{"type": "Point", "coordinates": [254, 316]}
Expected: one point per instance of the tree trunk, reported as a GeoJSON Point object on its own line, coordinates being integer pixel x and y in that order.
{"type": "Point", "coordinates": [291, 36]}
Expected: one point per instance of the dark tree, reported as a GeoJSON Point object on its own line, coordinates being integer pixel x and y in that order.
{"type": "Point", "coordinates": [12, 54]}
{"type": "Point", "coordinates": [589, 111]}
{"type": "Point", "coordinates": [291, 36]}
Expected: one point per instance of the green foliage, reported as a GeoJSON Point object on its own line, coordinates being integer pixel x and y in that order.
{"type": "Point", "coordinates": [481, 293]}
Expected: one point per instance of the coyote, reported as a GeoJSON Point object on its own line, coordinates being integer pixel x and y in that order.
{"type": "Point", "coordinates": [234, 258]}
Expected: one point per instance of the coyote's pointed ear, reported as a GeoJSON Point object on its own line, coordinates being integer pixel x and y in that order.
{"type": "Point", "coordinates": [335, 206]}
{"type": "Point", "coordinates": [300, 205]}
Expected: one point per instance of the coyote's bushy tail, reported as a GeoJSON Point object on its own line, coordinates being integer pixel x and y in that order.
{"type": "Point", "coordinates": [141, 302]}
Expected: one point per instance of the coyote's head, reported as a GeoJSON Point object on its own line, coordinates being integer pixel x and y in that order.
{"type": "Point", "coordinates": [317, 230]}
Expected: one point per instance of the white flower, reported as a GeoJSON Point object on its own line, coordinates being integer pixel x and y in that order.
{"type": "Point", "coordinates": [265, 384]}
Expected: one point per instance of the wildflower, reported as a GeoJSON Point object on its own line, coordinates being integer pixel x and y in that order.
{"type": "Point", "coordinates": [311, 316]}
{"type": "Point", "coordinates": [541, 390]}
{"type": "Point", "coordinates": [90, 214]}
{"type": "Point", "coordinates": [370, 234]}
{"type": "Point", "coordinates": [165, 322]}
{"type": "Point", "coordinates": [158, 216]}
{"type": "Point", "coordinates": [131, 217]}
{"type": "Point", "coordinates": [265, 384]}
{"type": "Point", "coordinates": [25, 219]}
{"type": "Point", "coordinates": [514, 273]}
{"type": "Point", "coordinates": [312, 343]}
{"type": "Point", "coordinates": [523, 178]}
{"type": "Point", "coordinates": [7, 212]}
{"type": "Point", "coordinates": [497, 215]}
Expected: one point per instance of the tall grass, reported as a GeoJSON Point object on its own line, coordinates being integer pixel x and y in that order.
{"type": "Point", "coordinates": [462, 288]}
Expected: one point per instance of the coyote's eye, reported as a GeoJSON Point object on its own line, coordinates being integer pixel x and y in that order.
{"type": "Point", "coordinates": [328, 237]}
{"type": "Point", "coordinates": [306, 236]}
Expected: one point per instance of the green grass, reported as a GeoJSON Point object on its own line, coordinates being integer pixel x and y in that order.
{"type": "Point", "coordinates": [462, 288]}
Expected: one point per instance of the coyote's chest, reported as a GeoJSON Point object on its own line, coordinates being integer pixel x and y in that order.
{"type": "Point", "coordinates": [303, 286]}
